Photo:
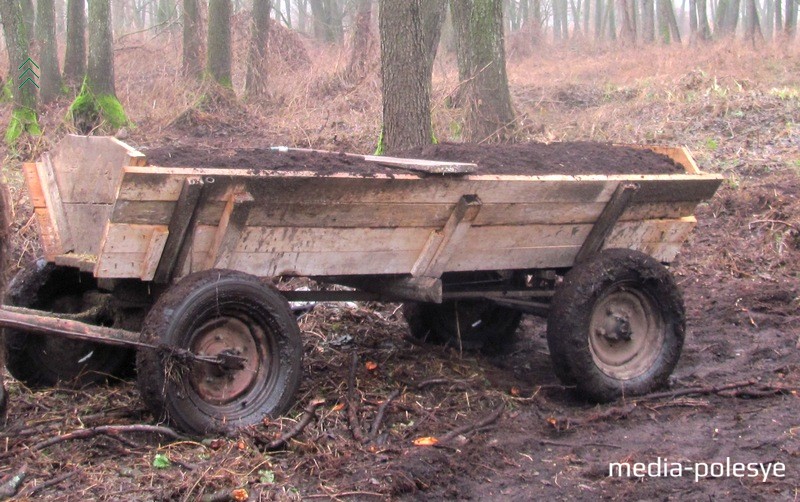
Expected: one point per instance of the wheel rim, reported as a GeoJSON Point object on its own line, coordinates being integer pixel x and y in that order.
{"type": "Point", "coordinates": [626, 332]}
{"type": "Point", "coordinates": [233, 336]}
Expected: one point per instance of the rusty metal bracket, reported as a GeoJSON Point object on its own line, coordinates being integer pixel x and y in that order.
{"type": "Point", "coordinates": [605, 222]}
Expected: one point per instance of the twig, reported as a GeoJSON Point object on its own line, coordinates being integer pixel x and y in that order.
{"type": "Point", "coordinates": [309, 414]}
{"type": "Point", "coordinates": [573, 445]}
{"type": "Point", "coordinates": [695, 390]}
{"type": "Point", "coordinates": [376, 424]}
{"type": "Point", "coordinates": [352, 405]}
{"type": "Point", "coordinates": [10, 487]}
{"type": "Point", "coordinates": [491, 418]}
{"type": "Point", "coordinates": [109, 430]}
{"type": "Point", "coordinates": [49, 483]}
{"type": "Point", "coordinates": [343, 494]}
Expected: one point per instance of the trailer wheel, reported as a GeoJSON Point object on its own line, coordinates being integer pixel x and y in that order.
{"type": "Point", "coordinates": [481, 324]}
{"type": "Point", "coordinates": [616, 325]}
{"type": "Point", "coordinates": [42, 361]}
{"type": "Point", "coordinates": [216, 313]}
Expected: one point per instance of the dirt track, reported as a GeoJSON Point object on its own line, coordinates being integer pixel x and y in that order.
{"type": "Point", "coordinates": [739, 273]}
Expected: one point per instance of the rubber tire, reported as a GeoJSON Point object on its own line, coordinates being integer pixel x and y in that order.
{"type": "Point", "coordinates": [39, 361]}
{"type": "Point", "coordinates": [436, 323]}
{"type": "Point", "coordinates": [570, 316]}
{"type": "Point", "coordinates": [193, 302]}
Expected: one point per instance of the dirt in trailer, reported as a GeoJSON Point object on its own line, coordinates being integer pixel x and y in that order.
{"type": "Point", "coordinates": [569, 158]}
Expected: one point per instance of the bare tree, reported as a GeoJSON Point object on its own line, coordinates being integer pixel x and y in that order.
{"type": "Point", "coordinates": [648, 21]}
{"type": "Point", "coordinates": [790, 14]}
{"type": "Point", "coordinates": [75, 56]}
{"type": "Point", "coordinates": [256, 80]}
{"type": "Point", "coordinates": [218, 58]}
{"type": "Point", "coordinates": [48, 51]}
{"type": "Point", "coordinates": [479, 28]}
{"type": "Point", "coordinates": [407, 52]}
{"type": "Point", "coordinates": [15, 28]}
{"type": "Point", "coordinates": [362, 43]}
{"type": "Point", "coordinates": [192, 39]}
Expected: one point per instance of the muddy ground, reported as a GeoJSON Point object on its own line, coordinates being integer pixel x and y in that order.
{"type": "Point", "coordinates": [514, 432]}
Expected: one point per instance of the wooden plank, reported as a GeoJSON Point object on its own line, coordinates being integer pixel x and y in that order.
{"type": "Point", "coordinates": [388, 215]}
{"type": "Point", "coordinates": [152, 255]}
{"type": "Point", "coordinates": [83, 262]}
{"type": "Point", "coordinates": [89, 168]}
{"type": "Point", "coordinates": [491, 189]}
{"type": "Point", "coordinates": [50, 243]}
{"type": "Point", "coordinates": [229, 231]}
{"type": "Point", "coordinates": [318, 240]}
{"type": "Point", "coordinates": [178, 228]}
{"type": "Point", "coordinates": [424, 166]}
{"type": "Point", "coordinates": [324, 263]}
{"type": "Point", "coordinates": [441, 244]}
{"type": "Point", "coordinates": [123, 238]}
{"type": "Point", "coordinates": [606, 221]}
{"type": "Point", "coordinates": [35, 192]}
{"type": "Point", "coordinates": [119, 265]}
{"type": "Point", "coordinates": [87, 222]}
{"type": "Point", "coordinates": [62, 242]}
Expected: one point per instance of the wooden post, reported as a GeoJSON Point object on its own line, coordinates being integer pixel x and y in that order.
{"type": "Point", "coordinates": [178, 227]}
{"type": "Point", "coordinates": [442, 243]}
{"type": "Point", "coordinates": [606, 221]}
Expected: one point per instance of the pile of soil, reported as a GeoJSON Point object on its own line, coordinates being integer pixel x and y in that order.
{"type": "Point", "coordinates": [579, 157]}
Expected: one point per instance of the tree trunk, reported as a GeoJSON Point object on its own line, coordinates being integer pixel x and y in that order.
{"type": "Point", "coordinates": [663, 21]}
{"type": "Point", "coordinates": [362, 43]}
{"type": "Point", "coordinates": [672, 21]}
{"type": "Point", "coordinates": [778, 18]}
{"type": "Point", "coordinates": [23, 117]}
{"type": "Point", "coordinates": [256, 80]}
{"type": "Point", "coordinates": [29, 16]}
{"type": "Point", "coordinates": [693, 32]}
{"type": "Point", "coordinates": [405, 80]}
{"type": "Point", "coordinates": [75, 55]}
{"type": "Point", "coordinates": [100, 70]}
{"type": "Point", "coordinates": [327, 21]}
{"type": "Point", "coordinates": [192, 39]}
{"type": "Point", "coordinates": [598, 19]}
{"type": "Point", "coordinates": [704, 28]}
{"type": "Point", "coordinates": [628, 27]}
{"type": "Point", "coordinates": [479, 25]}
{"type": "Point", "coordinates": [791, 19]}
{"type": "Point", "coordinates": [753, 27]}
{"type": "Point", "coordinates": [648, 21]}
{"type": "Point", "coordinates": [48, 51]}
{"type": "Point", "coordinates": [218, 58]}
{"type": "Point", "coordinates": [536, 23]}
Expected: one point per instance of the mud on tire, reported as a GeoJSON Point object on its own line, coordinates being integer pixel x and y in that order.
{"type": "Point", "coordinates": [616, 325]}
{"type": "Point", "coordinates": [208, 313]}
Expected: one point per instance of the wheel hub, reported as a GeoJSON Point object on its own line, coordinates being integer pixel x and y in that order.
{"type": "Point", "coordinates": [224, 337]}
{"type": "Point", "coordinates": [626, 332]}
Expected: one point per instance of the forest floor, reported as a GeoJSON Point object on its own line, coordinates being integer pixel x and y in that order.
{"type": "Point", "coordinates": [514, 432]}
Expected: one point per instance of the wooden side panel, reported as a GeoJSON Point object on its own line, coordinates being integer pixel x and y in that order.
{"type": "Point", "coordinates": [61, 237]}
{"type": "Point", "coordinates": [89, 168]}
{"type": "Point", "coordinates": [131, 250]}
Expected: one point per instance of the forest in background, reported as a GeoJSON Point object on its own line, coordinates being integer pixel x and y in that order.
{"type": "Point", "coordinates": [75, 43]}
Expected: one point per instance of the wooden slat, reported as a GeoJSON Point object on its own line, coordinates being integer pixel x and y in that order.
{"type": "Point", "coordinates": [89, 168]}
{"type": "Point", "coordinates": [229, 231]}
{"type": "Point", "coordinates": [606, 221]}
{"type": "Point", "coordinates": [152, 255]}
{"type": "Point", "coordinates": [87, 223]}
{"type": "Point", "coordinates": [324, 263]}
{"type": "Point", "coordinates": [317, 240]}
{"type": "Point", "coordinates": [179, 224]}
{"type": "Point", "coordinates": [441, 245]}
{"type": "Point", "coordinates": [425, 166]}
{"type": "Point", "coordinates": [35, 192]}
{"type": "Point", "coordinates": [84, 263]}
{"type": "Point", "coordinates": [62, 238]}
{"type": "Point", "coordinates": [388, 215]}
{"type": "Point", "coordinates": [491, 189]}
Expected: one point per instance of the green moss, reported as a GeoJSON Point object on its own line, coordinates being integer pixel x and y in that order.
{"type": "Point", "coordinates": [88, 110]}
{"type": "Point", "coordinates": [7, 93]}
{"type": "Point", "coordinates": [381, 144]}
{"type": "Point", "coordinates": [22, 120]}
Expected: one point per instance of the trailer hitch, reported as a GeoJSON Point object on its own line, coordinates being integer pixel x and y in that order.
{"type": "Point", "coordinates": [68, 326]}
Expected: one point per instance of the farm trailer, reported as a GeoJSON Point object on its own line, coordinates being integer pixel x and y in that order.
{"type": "Point", "coordinates": [171, 262]}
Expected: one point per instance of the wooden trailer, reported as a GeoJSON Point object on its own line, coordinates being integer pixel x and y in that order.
{"type": "Point", "coordinates": [172, 262]}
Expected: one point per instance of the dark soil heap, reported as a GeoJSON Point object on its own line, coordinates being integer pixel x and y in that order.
{"type": "Point", "coordinates": [571, 158]}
